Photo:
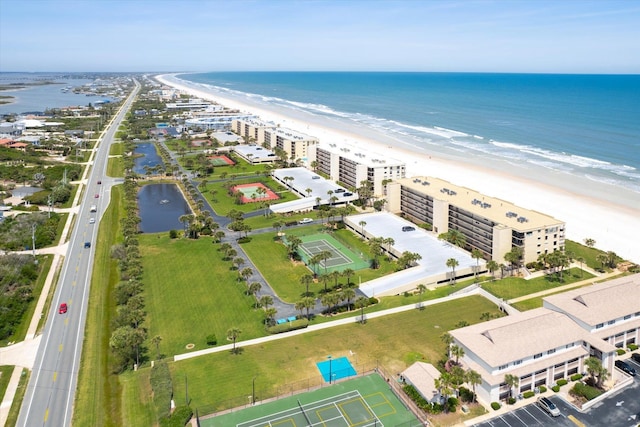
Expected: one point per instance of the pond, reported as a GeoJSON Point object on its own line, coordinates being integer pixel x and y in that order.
{"type": "Point", "coordinates": [149, 158]}
{"type": "Point", "coordinates": [160, 207]}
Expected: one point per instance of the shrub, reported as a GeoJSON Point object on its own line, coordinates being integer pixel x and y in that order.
{"type": "Point", "coordinates": [562, 382]}
{"type": "Point", "coordinates": [632, 347]}
{"type": "Point", "coordinates": [620, 351]}
{"type": "Point", "coordinates": [495, 406]}
{"type": "Point", "coordinates": [576, 377]}
{"type": "Point", "coordinates": [162, 389]}
{"type": "Point", "coordinates": [288, 326]}
{"type": "Point", "coordinates": [542, 389]}
{"type": "Point", "coordinates": [511, 400]}
{"type": "Point", "coordinates": [556, 388]}
{"type": "Point", "coordinates": [173, 234]}
{"type": "Point", "coordinates": [528, 394]}
{"type": "Point", "coordinates": [585, 391]}
{"type": "Point", "coordinates": [452, 404]}
{"type": "Point", "coordinates": [244, 239]}
{"type": "Point", "coordinates": [180, 417]}
{"type": "Point", "coordinates": [466, 395]}
{"type": "Point", "coordinates": [212, 340]}
{"type": "Point", "coordinates": [373, 300]}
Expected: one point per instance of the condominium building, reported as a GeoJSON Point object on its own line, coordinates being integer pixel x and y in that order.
{"type": "Point", "coordinates": [351, 165]}
{"type": "Point", "coordinates": [217, 120]}
{"type": "Point", "coordinates": [538, 347]}
{"type": "Point", "coordinates": [295, 144]}
{"type": "Point", "coordinates": [490, 225]}
{"type": "Point", "coordinates": [544, 345]}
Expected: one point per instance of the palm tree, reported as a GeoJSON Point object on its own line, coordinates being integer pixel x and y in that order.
{"type": "Point", "coordinates": [347, 295]}
{"type": "Point", "coordinates": [254, 288]}
{"type": "Point", "coordinates": [306, 280]}
{"type": "Point", "coordinates": [589, 242]}
{"type": "Point", "coordinates": [602, 259]}
{"type": "Point", "coordinates": [246, 273]}
{"type": "Point", "coordinates": [362, 224]}
{"type": "Point", "coordinates": [308, 303]}
{"type": "Point", "coordinates": [447, 339]}
{"type": "Point", "coordinates": [492, 266]}
{"type": "Point", "coordinates": [293, 243]}
{"type": "Point", "coordinates": [457, 352]}
{"type": "Point", "coordinates": [581, 261]}
{"type": "Point", "coordinates": [473, 378]}
{"type": "Point", "coordinates": [452, 263]}
{"type": "Point", "coordinates": [266, 301]}
{"type": "Point", "coordinates": [156, 341]}
{"type": "Point", "coordinates": [596, 370]}
{"type": "Point", "coordinates": [324, 256]}
{"type": "Point", "coordinates": [421, 290]}
{"type": "Point", "coordinates": [270, 314]}
{"type": "Point", "coordinates": [313, 262]}
{"type": "Point", "coordinates": [232, 335]}
{"type": "Point", "coordinates": [477, 254]}
{"type": "Point", "coordinates": [512, 381]}
{"type": "Point", "coordinates": [308, 191]}
{"type": "Point", "coordinates": [347, 272]}
{"type": "Point", "coordinates": [335, 275]}
{"type": "Point", "coordinates": [361, 303]}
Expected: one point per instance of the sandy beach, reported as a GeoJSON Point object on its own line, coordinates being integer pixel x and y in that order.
{"type": "Point", "coordinates": [588, 212]}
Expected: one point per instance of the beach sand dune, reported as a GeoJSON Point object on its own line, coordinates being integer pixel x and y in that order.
{"type": "Point", "coordinates": [614, 226]}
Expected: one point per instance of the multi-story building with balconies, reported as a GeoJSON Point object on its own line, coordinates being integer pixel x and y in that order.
{"type": "Point", "coordinates": [492, 225]}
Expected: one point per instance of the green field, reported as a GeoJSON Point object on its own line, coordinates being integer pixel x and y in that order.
{"type": "Point", "coordinates": [224, 380]}
{"type": "Point", "coordinates": [366, 396]}
{"type": "Point", "coordinates": [191, 292]}
{"type": "Point", "coordinates": [513, 287]}
{"type": "Point", "coordinates": [222, 202]}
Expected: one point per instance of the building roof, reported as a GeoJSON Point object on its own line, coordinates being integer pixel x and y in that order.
{"type": "Point", "coordinates": [257, 152]}
{"type": "Point", "coordinates": [516, 337]}
{"type": "Point", "coordinates": [497, 210]}
{"type": "Point", "coordinates": [361, 155]}
{"type": "Point", "coordinates": [602, 302]}
{"type": "Point", "coordinates": [422, 376]}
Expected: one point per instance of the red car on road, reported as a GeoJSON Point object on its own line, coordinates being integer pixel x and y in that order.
{"type": "Point", "coordinates": [63, 308]}
{"type": "Point", "coordinates": [96, 196]}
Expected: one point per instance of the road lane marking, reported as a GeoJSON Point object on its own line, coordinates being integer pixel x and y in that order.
{"type": "Point", "coordinates": [73, 283]}
{"type": "Point", "coordinates": [66, 321]}
{"type": "Point", "coordinates": [55, 376]}
{"type": "Point", "coordinates": [46, 415]}
{"type": "Point", "coordinates": [60, 348]}
{"type": "Point", "coordinates": [576, 421]}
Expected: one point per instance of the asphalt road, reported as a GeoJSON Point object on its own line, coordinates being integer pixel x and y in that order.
{"type": "Point", "coordinates": [50, 393]}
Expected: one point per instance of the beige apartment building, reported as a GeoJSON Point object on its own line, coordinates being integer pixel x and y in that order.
{"type": "Point", "coordinates": [351, 165]}
{"type": "Point", "coordinates": [489, 224]}
{"type": "Point", "coordinates": [543, 345]}
{"type": "Point", "coordinates": [295, 144]}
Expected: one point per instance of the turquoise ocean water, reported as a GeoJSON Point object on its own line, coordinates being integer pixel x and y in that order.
{"type": "Point", "coordinates": [587, 126]}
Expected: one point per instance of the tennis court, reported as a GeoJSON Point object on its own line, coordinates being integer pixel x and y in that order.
{"type": "Point", "coordinates": [255, 192]}
{"type": "Point", "coordinates": [221, 161]}
{"type": "Point", "coordinates": [361, 402]}
{"type": "Point", "coordinates": [341, 257]}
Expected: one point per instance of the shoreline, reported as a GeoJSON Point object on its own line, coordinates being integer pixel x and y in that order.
{"type": "Point", "coordinates": [601, 214]}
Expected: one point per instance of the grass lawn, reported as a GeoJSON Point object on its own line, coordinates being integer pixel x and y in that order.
{"type": "Point", "coordinates": [270, 257]}
{"type": "Point", "coordinates": [97, 398]}
{"type": "Point", "coordinates": [12, 419]}
{"type": "Point", "coordinates": [116, 149]}
{"type": "Point", "coordinates": [513, 287]}
{"type": "Point", "coordinates": [223, 380]}
{"type": "Point", "coordinates": [191, 293]}
{"type": "Point", "coordinates": [137, 399]}
{"type": "Point", "coordinates": [589, 254]}
{"type": "Point", "coordinates": [115, 167]}
{"type": "Point", "coordinates": [222, 202]}
{"type": "Point", "coordinates": [5, 376]}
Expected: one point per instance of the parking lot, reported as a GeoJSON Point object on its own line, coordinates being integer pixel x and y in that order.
{"type": "Point", "coordinates": [621, 409]}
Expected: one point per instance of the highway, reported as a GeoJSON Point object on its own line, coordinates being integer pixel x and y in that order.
{"type": "Point", "coordinates": [50, 394]}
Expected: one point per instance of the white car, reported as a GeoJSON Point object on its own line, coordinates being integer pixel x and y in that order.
{"type": "Point", "coordinates": [92, 221]}
{"type": "Point", "coordinates": [305, 221]}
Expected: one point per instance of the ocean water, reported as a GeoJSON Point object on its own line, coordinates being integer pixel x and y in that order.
{"type": "Point", "coordinates": [39, 98]}
{"type": "Point", "coordinates": [586, 126]}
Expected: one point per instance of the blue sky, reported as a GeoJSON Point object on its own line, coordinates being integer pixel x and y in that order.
{"type": "Point", "coordinates": [570, 36]}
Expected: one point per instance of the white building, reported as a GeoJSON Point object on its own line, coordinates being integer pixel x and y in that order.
{"type": "Point", "coordinates": [351, 165]}
{"type": "Point", "coordinates": [219, 121]}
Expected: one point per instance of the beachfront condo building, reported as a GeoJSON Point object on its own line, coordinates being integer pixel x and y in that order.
{"type": "Point", "coordinates": [217, 121]}
{"type": "Point", "coordinates": [546, 344]}
{"type": "Point", "coordinates": [488, 224]}
{"type": "Point", "coordinates": [350, 166]}
{"type": "Point", "coordinates": [295, 144]}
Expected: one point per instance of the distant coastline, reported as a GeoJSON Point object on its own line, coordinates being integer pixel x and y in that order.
{"type": "Point", "coordinates": [614, 226]}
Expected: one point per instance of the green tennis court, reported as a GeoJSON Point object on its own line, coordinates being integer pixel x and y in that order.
{"type": "Point", "coordinates": [341, 256]}
{"type": "Point", "coordinates": [362, 402]}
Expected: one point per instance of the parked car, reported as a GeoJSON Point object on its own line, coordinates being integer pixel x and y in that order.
{"type": "Point", "coordinates": [408, 228]}
{"type": "Point", "coordinates": [305, 221]}
{"type": "Point", "coordinates": [63, 308]}
{"type": "Point", "coordinates": [625, 367]}
{"type": "Point", "coordinates": [548, 406]}
{"type": "Point", "coordinates": [636, 357]}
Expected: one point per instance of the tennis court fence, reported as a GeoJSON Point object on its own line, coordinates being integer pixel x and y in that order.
{"type": "Point", "coordinates": [266, 394]}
